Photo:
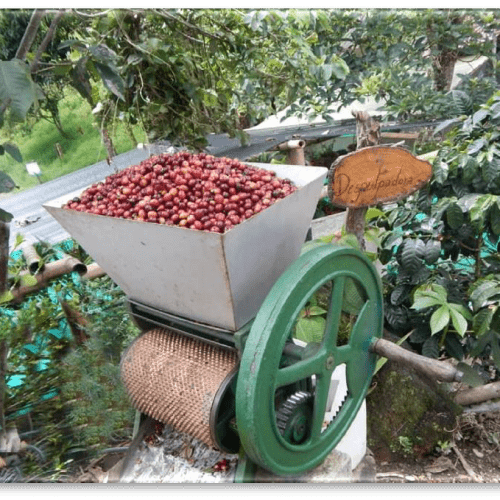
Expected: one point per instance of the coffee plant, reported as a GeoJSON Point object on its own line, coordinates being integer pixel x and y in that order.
{"type": "Point", "coordinates": [440, 246]}
{"type": "Point", "coordinates": [61, 389]}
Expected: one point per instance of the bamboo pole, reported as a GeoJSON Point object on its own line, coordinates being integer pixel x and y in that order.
{"type": "Point", "coordinates": [35, 263]}
{"type": "Point", "coordinates": [77, 266]}
{"type": "Point", "coordinates": [94, 270]}
{"type": "Point", "coordinates": [52, 270]}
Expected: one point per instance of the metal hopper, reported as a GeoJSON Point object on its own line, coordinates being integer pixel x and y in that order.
{"type": "Point", "coordinates": [217, 279]}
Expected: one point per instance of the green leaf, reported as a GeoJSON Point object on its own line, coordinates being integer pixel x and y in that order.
{"type": "Point", "coordinates": [470, 374]}
{"type": "Point", "coordinates": [62, 69]}
{"type": "Point", "coordinates": [432, 251]}
{"type": "Point", "coordinates": [399, 294]}
{"type": "Point", "coordinates": [420, 334]}
{"type": "Point", "coordinates": [445, 124]}
{"type": "Point", "coordinates": [412, 255]}
{"type": "Point", "coordinates": [349, 240]}
{"type": "Point", "coordinates": [463, 102]}
{"type": "Point", "coordinates": [353, 297]}
{"type": "Point", "coordinates": [102, 53]}
{"type": "Point", "coordinates": [373, 213]}
{"type": "Point", "coordinates": [13, 150]}
{"type": "Point", "coordinates": [476, 146]}
{"type": "Point", "coordinates": [340, 68]}
{"type": "Point", "coordinates": [111, 79]}
{"type": "Point", "coordinates": [28, 280]}
{"type": "Point", "coordinates": [484, 293]}
{"type": "Point", "coordinates": [467, 201]}
{"type": "Point", "coordinates": [461, 310]}
{"type": "Point", "coordinates": [481, 321]}
{"type": "Point", "coordinates": [17, 89]}
{"type": "Point", "coordinates": [6, 183]}
{"type": "Point", "coordinates": [439, 319]}
{"type": "Point", "coordinates": [495, 320]}
{"type": "Point", "coordinates": [440, 171]}
{"type": "Point", "coordinates": [71, 44]}
{"type": "Point", "coordinates": [310, 329]}
{"type": "Point", "coordinates": [454, 216]}
{"type": "Point", "coordinates": [491, 169]}
{"type": "Point", "coordinates": [5, 216]}
{"type": "Point", "coordinates": [424, 302]}
{"type": "Point", "coordinates": [440, 291]}
{"type": "Point", "coordinates": [434, 290]}
{"type": "Point", "coordinates": [430, 347]}
{"type": "Point", "coordinates": [326, 71]}
{"type": "Point", "coordinates": [80, 78]}
{"type": "Point", "coordinates": [316, 311]}
{"type": "Point", "coordinates": [470, 168]}
{"type": "Point", "coordinates": [479, 209]}
{"type": "Point", "coordinates": [495, 219]}
{"type": "Point", "coordinates": [453, 346]}
{"type": "Point", "coordinates": [19, 240]}
{"type": "Point", "coordinates": [6, 297]}
{"type": "Point", "coordinates": [479, 116]}
{"type": "Point", "coordinates": [458, 320]}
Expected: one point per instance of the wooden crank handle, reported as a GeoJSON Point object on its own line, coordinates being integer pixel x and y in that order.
{"type": "Point", "coordinates": [430, 367]}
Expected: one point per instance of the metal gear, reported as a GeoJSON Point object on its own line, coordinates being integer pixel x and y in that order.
{"type": "Point", "coordinates": [294, 417]}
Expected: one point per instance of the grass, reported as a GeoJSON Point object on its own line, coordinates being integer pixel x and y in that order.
{"type": "Point", "coordinates": [38, 140]}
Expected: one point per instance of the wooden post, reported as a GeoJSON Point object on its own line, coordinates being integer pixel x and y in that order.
{"type": "Point", "coordinates": [367, 134]}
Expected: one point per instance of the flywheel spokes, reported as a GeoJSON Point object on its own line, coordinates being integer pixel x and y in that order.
{"type": "Point", "coordinates": [269, 375]}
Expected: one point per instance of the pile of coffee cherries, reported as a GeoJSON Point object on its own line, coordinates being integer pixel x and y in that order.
{"type": "Point", "coordinates": [195, 191]}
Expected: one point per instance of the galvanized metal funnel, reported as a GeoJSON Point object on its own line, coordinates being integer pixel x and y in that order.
{"type": "Point", "coordinates": [217, 279]}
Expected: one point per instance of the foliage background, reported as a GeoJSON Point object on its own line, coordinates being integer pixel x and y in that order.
{"type": "Point", "coordinates": [179, 74]}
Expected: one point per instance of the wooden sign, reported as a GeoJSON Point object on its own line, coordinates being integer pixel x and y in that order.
{"type": "Point", "coordinates": [376, 174]}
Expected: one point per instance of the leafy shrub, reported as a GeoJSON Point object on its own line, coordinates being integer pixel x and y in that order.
{"type": "Point", "coordinates": [441, 246]}
{"type": "Point", "coordinates": [63, 387]}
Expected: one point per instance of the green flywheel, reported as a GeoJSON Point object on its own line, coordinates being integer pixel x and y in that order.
{"type": "Point", "coordinates": [281, 399]}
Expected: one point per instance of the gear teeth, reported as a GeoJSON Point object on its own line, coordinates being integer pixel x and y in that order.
{"type": "Point", "coordinates": [335, 410]}
{"type": "Point", "coordinates": [288, 407]}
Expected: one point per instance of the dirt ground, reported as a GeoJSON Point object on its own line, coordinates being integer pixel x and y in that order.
{"type": "Point", "coordinates": [471, 456]}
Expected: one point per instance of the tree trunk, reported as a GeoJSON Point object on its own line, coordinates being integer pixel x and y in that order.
{"type": "Point", "coordinates": [30, 34]}
{"type": "Point", "coordinates": [109, 145]}
{"type": "Point", "coordinates": [3, 374]}
{"type": "Point", "coordinates": [443, 66]}
{"type": "Point", "coordinates": [444, 50]}
{"type": "Point", "coordinates": [45, 42]}
{"type": "Point", "coordinates": [478, 394]}
{"type": "Point", "coordinates": [4, 254]}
